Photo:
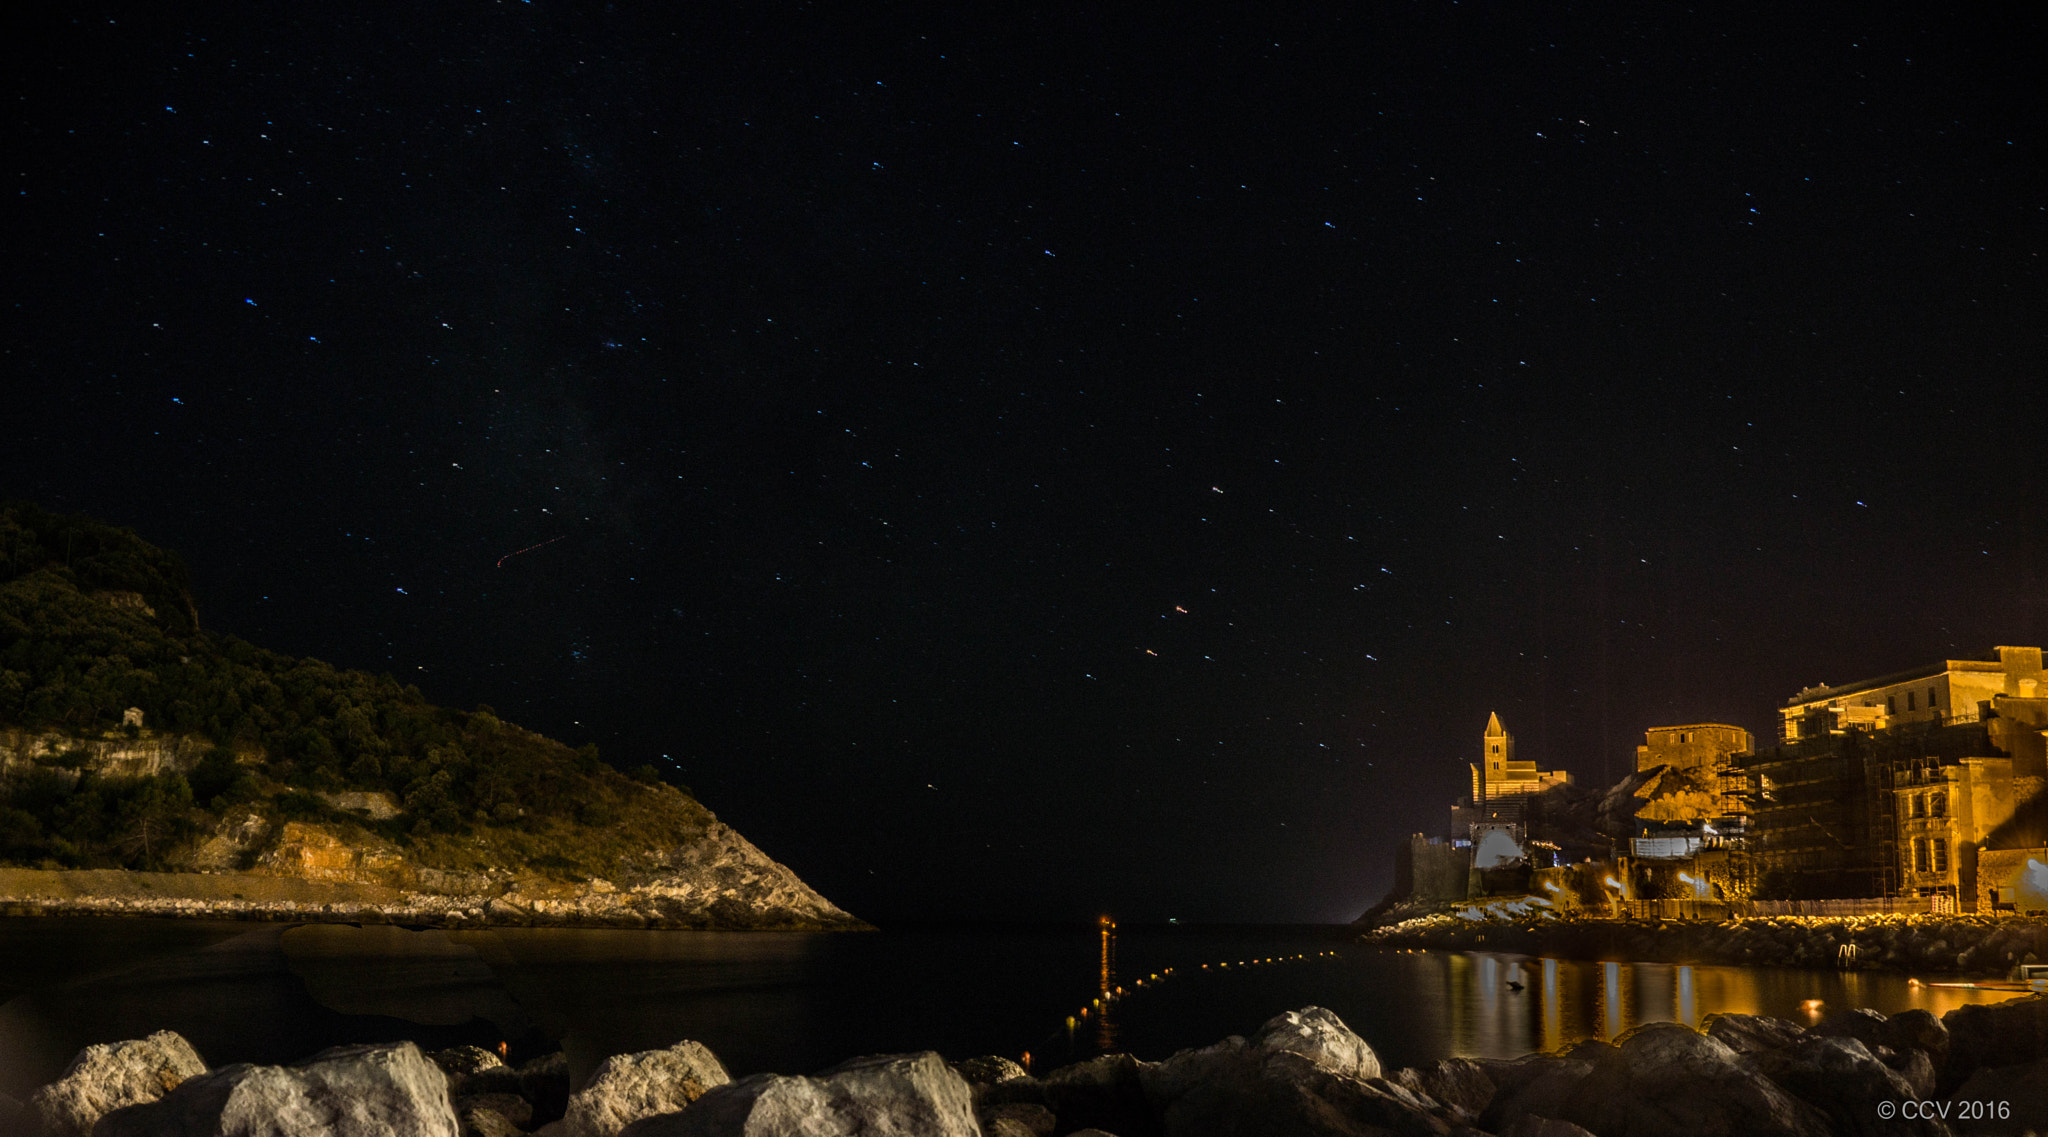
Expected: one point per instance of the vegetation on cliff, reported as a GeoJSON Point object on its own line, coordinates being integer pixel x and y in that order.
{"type": "Point", "coordinates": [94, 620]}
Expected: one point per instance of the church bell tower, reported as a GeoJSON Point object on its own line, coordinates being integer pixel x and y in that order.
{"type": "Point", "coordinates": [1500, 750]}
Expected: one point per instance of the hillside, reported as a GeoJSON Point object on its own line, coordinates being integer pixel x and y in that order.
{"type": "Point", "coordinates": [132, 739]}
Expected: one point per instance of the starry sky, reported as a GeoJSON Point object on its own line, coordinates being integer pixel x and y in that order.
{"type": "Point", "coordinates": [1039, 464]}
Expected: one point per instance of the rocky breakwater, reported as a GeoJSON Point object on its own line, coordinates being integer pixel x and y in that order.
{"type": "Point", "coordinates": [1979, 1069]}
{"type": "Point", "coordinates": [1928, 944]}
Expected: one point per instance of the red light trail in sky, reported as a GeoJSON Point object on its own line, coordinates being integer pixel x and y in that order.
{"type": "Point", "coordinates": [528, 549]}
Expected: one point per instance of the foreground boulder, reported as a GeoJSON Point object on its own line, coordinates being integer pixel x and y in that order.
{"type": "Point", "coordinates": [1530, 1125]}
{"type": "Point", "coordinates": [1299, 1076]}
{"type": "Point", "coordinates": [1662, 1078]}
{"type": "Point", "coordinates": [478, 1121]}
{"type": "Point", "coordinates": [1461, 1084]}
{"type": "Point", "coordinates": [1321, 1037]}
{"type": "Point", "coordinates": [1104, 1092]}
{"type": "Point", "coordinates": [627, 1087]}
{"type": "Point", "coordinates": [1749, 1034]}
{"type": "Point", "coordinates": [485, 1112]}
{"type": "Point", "coordinates": [2022, 1089]}
{"type": "Point", "coordinates": [1840, 1076]}
{"type": "Point", "coordinates": [1017, 1119]}
{"type": "Point", "coordinates": [384, 1090]}
{"type": "Point", "coordinates": [1862, 1024]}
{"type": "Point", "coordinates": [1535, 1085]}
{"type": "Point", "coordinates": [544, 1081]}
{"type": "Point", "coordinates": [110, 1075]}
{"type": "Point", "coordinates": [988, 1070]}
{"type": "Point", "coordinates": [473, 1070]}
{"type": "Point", "coordinates": [1994, 1034]}
{"type": "Point", "coordinates": [1918, 1030]}
{"type": "Point", "coordinates": [887, 1095]}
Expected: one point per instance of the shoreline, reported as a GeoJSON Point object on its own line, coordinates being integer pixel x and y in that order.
{"type": "Point", "coordinates": [261, 898]}
{"type": "Point", "coordinates": [1948, 944]}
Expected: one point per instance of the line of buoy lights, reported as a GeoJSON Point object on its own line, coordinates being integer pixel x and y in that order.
{"type": "Point", "coordinates": [1158, 977]}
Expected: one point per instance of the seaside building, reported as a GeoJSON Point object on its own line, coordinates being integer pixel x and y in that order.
{"type": "Point", "coordinates": [1890, 786]}
{"type": "Point", "coordinates": [1944, 693]}
{"type": "Point", "coordinates": [1707, 784]}
{"type": "Point", "coordinates": [1494, 819]}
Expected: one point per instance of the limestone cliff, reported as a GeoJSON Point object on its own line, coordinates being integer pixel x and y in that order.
{"type": "Point", "coordinates": [113, 756]}
{"type": "Point", "coordinates": [253, 866]}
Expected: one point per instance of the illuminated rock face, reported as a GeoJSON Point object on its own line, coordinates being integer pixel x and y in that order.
{"type": "Point", "coordinates": [112, 757]}
{"type": "Point", "coordinates": [711, 878]}
{"type": "Point", "coordinates": [312, 853]}
{"type": "Point", "coordinates": [109, 1076]}
{"type": "Point", "coordinates": [627, 1087]}
{"type": "Point", "coordinates": [2019, 877]}
{"type": "Point", "coordinates": [1701, 782]}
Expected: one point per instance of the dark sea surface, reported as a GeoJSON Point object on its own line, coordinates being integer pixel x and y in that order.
{"type": "Point", "coordinates": [797, 1003]}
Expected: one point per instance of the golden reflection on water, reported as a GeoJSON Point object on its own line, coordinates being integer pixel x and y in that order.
{"type": "Point", "coordinates": [1105, 1023]}
{"type": "Point", "coordinates": [1501, 1005]}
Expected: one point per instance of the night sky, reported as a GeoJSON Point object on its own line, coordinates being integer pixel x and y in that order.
{"type": "Point", "coordinates": [1029, 466]}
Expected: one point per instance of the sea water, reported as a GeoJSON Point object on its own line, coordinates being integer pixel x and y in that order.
{"type": "Point", "coordinates": [796, 1002]}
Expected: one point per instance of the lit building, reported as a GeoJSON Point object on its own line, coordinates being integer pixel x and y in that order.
{"type": "Point", "coordinates": [1704, 755]}
{"type": "Point", "coordinates": [1502, 786]}
{"type": "Point", "coordinates": [1944, 810]}
{"type": "Point", "coordinates": [1889, 786]}
{"type": "Point", "coordinates": [1951, 691]}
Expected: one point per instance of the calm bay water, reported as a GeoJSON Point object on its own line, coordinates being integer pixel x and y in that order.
{"type": "Point", "coordinates": [794, 1003]}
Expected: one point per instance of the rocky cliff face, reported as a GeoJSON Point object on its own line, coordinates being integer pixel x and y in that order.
{"type": "Point", "coordinates": [719, 880]}
{"type": "Point", "coordinates": [113, 757]}
{"type": "Point", "coordinates": [665, 862]}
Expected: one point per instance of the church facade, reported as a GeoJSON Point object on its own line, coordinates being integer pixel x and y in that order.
{"type": "Point", "coordinates": [1501, 788]}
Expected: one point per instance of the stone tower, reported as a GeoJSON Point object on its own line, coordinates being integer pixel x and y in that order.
{"type": "Point", "coordinates": [1502, 785]}
{"type": "Point", "coordinates": [1500, 750]}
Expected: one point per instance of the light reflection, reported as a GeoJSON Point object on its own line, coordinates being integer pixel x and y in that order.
{"type": "Point", "coordinates": [1610, 996]}
{"type": "Point", "coordinates": [1105, 1022]}
{"type": "Point", "coordinates": [1553, 1012]}
{"type": "Point", "coordinates": [1486, 1016]}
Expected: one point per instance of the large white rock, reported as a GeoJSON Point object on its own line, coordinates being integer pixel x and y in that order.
{"type": "Point", "coordinates": [627, 1087]}
{"type": "Point", "coordinates": [384, 1090]}
{"type": "Point", "coordinates": [109, 1075]}
{"type": "Point", "coordinates": [887, 1095]}
{"type": "Point", "coordinates": [1321, 1037]}
{"type": "Point", "coordinates": [1301, 1075]}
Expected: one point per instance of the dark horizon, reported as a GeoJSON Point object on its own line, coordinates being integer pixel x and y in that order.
{"type": "Point", "coordinates": [1030, 466]}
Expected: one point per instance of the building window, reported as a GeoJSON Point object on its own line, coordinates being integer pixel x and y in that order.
{"type": "Point", "coordinates": [1919, 854]}
{"type": "Point", "coordinates": [1919, 805]}
{"type": "Point", "coordinates": [1940, 856]}
{"type": "Point", "coordinates": [1909, 700]}
{"type": "Point", "coordinates": [1939, 807]}
{"type": "Point", "coordinates": [1888, 707]}
{"type": "Point", "coordinates": [1932, 700]}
